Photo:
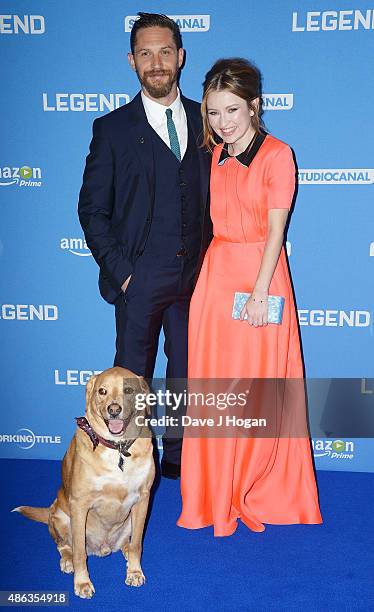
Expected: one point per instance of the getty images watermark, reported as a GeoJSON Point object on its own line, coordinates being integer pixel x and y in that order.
{"type": "Point", "coordinates": [335, 409]}
{"type": "Point", "coordinates": [224, 407]}
{"type": "Point", "coordinates": [175, 401]}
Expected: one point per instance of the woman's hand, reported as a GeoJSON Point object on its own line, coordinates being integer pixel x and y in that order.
{"type": "Point", "coordinates": [256, 308]}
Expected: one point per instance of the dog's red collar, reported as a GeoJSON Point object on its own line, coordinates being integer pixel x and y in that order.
{"type": "Point", "coordinates": [96, 439]}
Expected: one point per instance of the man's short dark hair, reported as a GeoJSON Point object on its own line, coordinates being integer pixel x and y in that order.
{"type": "Point", "coordinates": [151, 20]}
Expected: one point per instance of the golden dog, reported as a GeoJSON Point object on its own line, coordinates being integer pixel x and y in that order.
{"type": "Point", "coordinates": [107, 474]}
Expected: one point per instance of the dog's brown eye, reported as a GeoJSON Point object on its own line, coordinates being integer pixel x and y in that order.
{"type": "Point", "coordinates": [102, 391]}
{"type": "Point", "coordinates": [128, 390]}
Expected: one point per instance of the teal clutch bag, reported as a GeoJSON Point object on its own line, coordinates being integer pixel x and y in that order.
{"type": "Point", "coordinates": [275, 307]}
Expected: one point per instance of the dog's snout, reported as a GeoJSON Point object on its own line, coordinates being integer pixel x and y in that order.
{"type": "Point", "coordinates": [114, 410]}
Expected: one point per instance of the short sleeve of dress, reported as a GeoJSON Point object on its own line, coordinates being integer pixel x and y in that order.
{"type": "Point", "coordinates": [281, 180]}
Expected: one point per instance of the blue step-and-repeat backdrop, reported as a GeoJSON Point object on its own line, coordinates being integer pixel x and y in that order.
{"type": "Point", "coordinates": [65, 63]}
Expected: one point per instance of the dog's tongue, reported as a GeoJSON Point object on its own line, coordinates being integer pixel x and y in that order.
{"type": "Point", "coordinates": [115, 425]}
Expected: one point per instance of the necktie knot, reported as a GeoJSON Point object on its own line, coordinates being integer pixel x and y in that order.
{"type": "Point", "coordinates": [173, 136]}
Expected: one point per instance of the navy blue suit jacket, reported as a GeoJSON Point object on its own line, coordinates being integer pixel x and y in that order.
{"type": "Point", "coordinates": [116, 199]}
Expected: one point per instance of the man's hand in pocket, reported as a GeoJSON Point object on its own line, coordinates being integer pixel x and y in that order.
{"type": "Point", "coordinates": [125, 284]}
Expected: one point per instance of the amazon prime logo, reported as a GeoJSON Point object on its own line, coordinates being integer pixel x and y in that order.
{"type": "Point", "coordinates": [21, 176]}
{"type": "Point", "coordinates": [76, 246]}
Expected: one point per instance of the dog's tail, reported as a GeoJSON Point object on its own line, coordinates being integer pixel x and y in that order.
{"type": "Point", "coordinates": [35, 514]}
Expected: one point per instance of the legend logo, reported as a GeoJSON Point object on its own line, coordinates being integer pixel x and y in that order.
{"type": "Point", "coordinates": [334, 318]}
{"type": "Point", "coordinates": [29, 312]}
{"type": "Point", "coordinates": [326, 21]}
{"type": "Point", "coordinates": [25, 24]}
{"type": "Point", "coordinates": [74, 377]}
{"type": "Point", "coordinates": [80, 102]}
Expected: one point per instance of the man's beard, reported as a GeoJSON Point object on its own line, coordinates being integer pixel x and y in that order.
{"type": "Point", "coordinates": [162, 88]}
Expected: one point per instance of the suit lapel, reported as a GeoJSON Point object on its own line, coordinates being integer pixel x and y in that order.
{"type": "Point", "coordinates": [140, 133]}
{"type": "Point", "coordinates": [141, 136]}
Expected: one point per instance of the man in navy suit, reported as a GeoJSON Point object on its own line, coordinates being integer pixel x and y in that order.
{"type": "Point", "coordinates": [143, 209]}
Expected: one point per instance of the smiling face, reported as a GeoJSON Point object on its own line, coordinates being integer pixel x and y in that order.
{"type": "Point", "coordinates": [111, 400]}
{"type": "Point", "coordinates": [230, 118]}
{"type": "Point", "coordinates": [157, 61]}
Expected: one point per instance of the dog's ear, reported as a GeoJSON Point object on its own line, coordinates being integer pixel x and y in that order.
{"type": "Point", "coordinates": [145, 389]}
{"type": "Point", "coordinates": [89, 388]}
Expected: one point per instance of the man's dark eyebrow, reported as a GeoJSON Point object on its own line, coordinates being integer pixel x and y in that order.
{"type": "Point", "coordinates": [146, 49]}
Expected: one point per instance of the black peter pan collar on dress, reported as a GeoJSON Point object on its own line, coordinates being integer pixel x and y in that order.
{"type": "Point", "coordinates": [247, 156]}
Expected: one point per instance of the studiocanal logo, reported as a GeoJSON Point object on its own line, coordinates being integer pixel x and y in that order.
{"type": "Point", "coordinates": [24, 176]}
{"type": "Point", "coordinates": [336, 176]}
{"type": "Point", "coordinates": [80, 102]}
{"type": "Point", "coordinates": [26, 438]}
{"type": "Point", "coordinates": [186, 23]}
{"type": "Point", "coordinates": [334, 449]}
{"type": "Point", "coordinates": [327, 21]}
{"type": "Point", "coordinates": [76, 246]}
{"type": "Point", "coordinates": [277, 101]}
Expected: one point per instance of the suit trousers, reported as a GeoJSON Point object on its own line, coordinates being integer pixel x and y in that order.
{"type": "Point", "coordinates": [158, 296]}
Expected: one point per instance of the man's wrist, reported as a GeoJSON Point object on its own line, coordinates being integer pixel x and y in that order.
{"type": "Point", "coordinates": [125, 284]}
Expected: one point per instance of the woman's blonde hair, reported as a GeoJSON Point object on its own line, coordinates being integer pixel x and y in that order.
{"type": "Point", "coordinates": [240, 77]}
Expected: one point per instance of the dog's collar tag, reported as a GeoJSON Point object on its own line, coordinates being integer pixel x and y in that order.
{"type": "Point", "coordinates": [123, 452]}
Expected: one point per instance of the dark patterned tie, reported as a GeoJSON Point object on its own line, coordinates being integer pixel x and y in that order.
{"type": "Point", "coordinates": [173, 136]}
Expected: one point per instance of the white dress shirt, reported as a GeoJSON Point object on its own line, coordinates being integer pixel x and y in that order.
{"type": "Point", "coordinates": [156, 116]}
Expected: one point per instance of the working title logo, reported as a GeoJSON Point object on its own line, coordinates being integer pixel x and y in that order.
{"type": "Point", "coordinates": [24, 176]}
{"type": "Point", "coordinates": [26, 439]}
{"type": "Point", "coordinates": [278, 101]}
{"type": "Point", "coordinates": [326, 21]}
{"type": "Point", "coordinates": [25, 24]}
{"type": "Point", "coordinates": [76, 246]}
{"type": "Point", "coordinates": [186, 23]}
{"type": "Point", "coordinates": [336, 176]}
{"type": "Point", "coordinates": [79, 102]}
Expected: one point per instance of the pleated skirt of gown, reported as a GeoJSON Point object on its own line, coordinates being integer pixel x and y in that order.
{"type": "Point", "coordinates": [259, 480]}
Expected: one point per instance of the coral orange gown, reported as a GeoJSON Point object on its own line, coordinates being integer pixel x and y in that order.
{"type": "Point", "coordinates": [259, 480]}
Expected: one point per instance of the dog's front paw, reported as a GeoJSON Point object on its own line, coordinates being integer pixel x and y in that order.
{"type": "Point", "coordinates": [125, 551]}
{"type": "Point", "coordinates": [84, 589]}
{"type": "Point", "coordinates": [135, 578]}
{"type": "Point", "coordinates": [66, 565]}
